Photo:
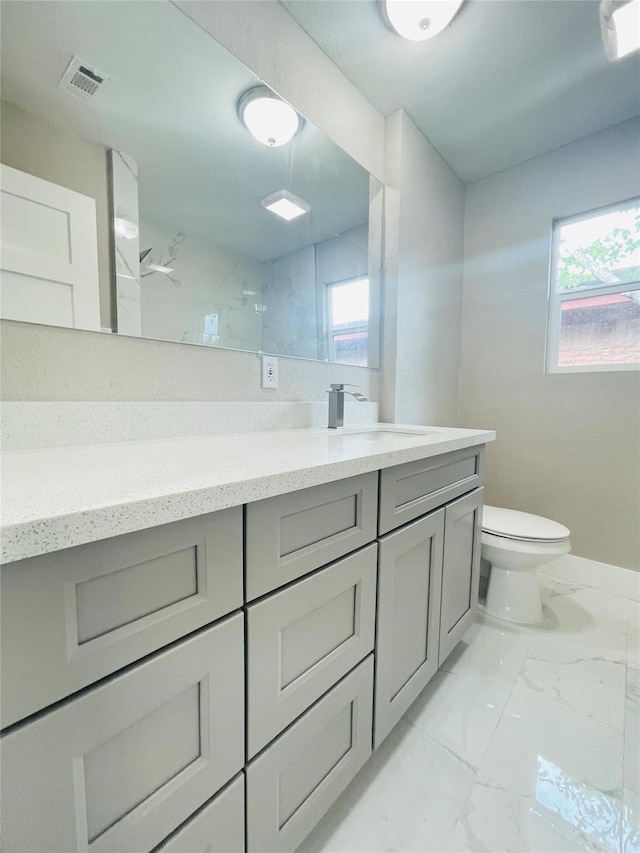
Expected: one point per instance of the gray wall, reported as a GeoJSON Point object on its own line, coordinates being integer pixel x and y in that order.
{"type": "Point", "coordinates": [568, 444]}
{"type": "Point", "coordinates": [423, 302]}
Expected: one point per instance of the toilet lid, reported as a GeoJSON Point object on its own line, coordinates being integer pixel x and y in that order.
{"type": "Point", "coordinates": [521, 525]}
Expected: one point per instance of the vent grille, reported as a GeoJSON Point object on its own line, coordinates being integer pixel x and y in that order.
{"type": "Point", "coordinates": [83, 80]}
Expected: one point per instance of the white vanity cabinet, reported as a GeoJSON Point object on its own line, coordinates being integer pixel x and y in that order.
{"type": "Point", "coordinates": [130, 663]}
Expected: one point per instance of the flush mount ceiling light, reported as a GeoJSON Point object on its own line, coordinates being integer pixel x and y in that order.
{"type": "Point", "coordinates": [125, 228]}
{"type": "Point", "coordinates": [418, 20]}
{"type": "Point", "coordinates": [267, 117]}
{"type": "Point", "coordinates": [620, 27]}
{"type": "Point", "coordinates": [285, 204]}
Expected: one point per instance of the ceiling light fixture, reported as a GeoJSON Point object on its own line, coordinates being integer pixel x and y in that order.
{"type": "Point", "coordinates": [267, 117]}
{"type": "Point", "coordinates": [418, 20]}
{"type": "Point", "coordinates": [125, 228]}
{"type": "Point", "coordinates": [285, 204]}
{"type": "Point", "coordinates": [620, 27]}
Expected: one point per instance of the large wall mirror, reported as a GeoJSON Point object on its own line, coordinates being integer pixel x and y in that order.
{"type": "Point", "coordinates": [187, 249]}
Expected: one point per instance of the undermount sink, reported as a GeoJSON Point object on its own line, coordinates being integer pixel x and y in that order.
{"type": "Point", "coordinates": [373, 434]}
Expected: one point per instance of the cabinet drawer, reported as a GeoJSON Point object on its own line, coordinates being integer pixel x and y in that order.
{"type": "Point", "coordinates": [411, 490]}
{"type": "Point", "coordinates": [460, 569]}
{"type": "Point", "coordinates": [408, 620]}
{"type": "Point", "coordinates": [71, 617]}
{"type": "Point", "coordinates": [217, 828]}
{"type": "Point", "coordinates": [293, 782]}
{"type": "Point", "coordinates": [125, 764]}
{"type": "Point", "coordinates": [289, 535]}
{"type": "Point", "coordinates": [302, 640]}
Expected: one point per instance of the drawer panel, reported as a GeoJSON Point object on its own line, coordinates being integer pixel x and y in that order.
{"type": "Point", "coordinates": [289, 535]}
{"type": "Point", "coordinates": [411, 490]}
{"type": "Point", "coordinates": [293, 782]}
{"type": "Point", "coordinates": [301, 640]}
{"type": "Point", "coordinates": [125, 764]}
{"type": "Point", "coordinates": [217, 828]}
{"type": "Point", "coordinates": [71, 617]}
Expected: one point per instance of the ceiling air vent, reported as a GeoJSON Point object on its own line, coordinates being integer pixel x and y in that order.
{"type": "Point", "coordinates": [83, 80]}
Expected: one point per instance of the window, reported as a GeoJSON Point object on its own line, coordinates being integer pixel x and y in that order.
{"type": "Point", "coordinates": [594, 305]}
{"type": "Point", "coordinates": [348, 321]}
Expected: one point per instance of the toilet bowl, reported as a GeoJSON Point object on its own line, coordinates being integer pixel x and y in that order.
{"type": "Point", "coordinates": [516, 544]}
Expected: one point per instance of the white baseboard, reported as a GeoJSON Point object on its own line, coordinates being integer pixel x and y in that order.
{"type": "Point", "coordinates": [608, 578]}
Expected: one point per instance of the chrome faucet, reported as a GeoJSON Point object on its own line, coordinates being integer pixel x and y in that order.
{"type": "Point", "coordinates": [336, 403]}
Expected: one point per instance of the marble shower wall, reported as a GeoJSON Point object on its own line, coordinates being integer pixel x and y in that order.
{"type": "Point", "coordinates": [123, 172]}
{"type": "Point", "coordinates": [293, 291]}
{"type": "Point", "coordinates": [290, 322]}
{"type": "Point", "coordinates": [208, 297]}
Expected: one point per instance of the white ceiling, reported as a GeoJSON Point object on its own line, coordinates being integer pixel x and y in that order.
{"type": "Point", "coordinates": [507, 81]}
{"type": "Point", "coordinates": [171, 105]}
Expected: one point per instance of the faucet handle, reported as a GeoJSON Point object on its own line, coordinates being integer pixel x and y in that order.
{"type": "Point", "coordinates": [341, 386]}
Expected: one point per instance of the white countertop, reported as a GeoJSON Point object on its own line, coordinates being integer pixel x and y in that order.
{"type": "Point", "coordinates": [58, 497]}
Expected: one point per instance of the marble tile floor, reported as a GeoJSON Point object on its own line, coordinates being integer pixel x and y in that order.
{"type": "Point", "coordinates": [528, 739]}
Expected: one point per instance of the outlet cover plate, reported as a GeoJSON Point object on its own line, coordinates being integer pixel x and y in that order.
{"type": "Point", "coordinates": [269, 371]}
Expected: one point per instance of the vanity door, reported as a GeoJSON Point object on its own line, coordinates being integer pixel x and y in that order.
{"type": "Point", "coordinates": [461, 569]}
{"type": "Point", "coordinates": [408, 621]}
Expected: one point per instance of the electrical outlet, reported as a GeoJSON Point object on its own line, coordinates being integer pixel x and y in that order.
{"type": "Point", "coordinates": [269, 371]}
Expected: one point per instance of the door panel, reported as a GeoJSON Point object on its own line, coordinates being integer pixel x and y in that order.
{"type": "Point", "coordinates": [49, 252]}
{"type": "Point", "coordinates": [461, 569]}
{"type": "Point", "coordinates": [409, 577]}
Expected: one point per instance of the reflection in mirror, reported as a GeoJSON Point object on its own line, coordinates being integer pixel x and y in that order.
{"type": "Point", "coordinates": [192, 247]}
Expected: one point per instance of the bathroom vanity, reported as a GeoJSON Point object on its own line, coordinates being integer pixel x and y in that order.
{"type": "Point", "coordinates": [239, 622]}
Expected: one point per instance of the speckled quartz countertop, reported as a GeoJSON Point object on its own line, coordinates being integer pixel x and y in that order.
{"type": "Point", "coordinates": [58, 497]}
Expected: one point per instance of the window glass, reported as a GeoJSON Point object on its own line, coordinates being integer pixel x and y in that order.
{"type": "Point", "coordinates": [594, 312]}
{"type": "Point", "coordinates": [348, 329]}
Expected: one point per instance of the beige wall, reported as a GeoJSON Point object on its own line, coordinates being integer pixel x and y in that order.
{"type": "Point", "coordinates": [568, 444]}
{"type": "Point", "coordinates": [45, 363]}
{"type": "Point", "coordinates": [423, 303]}
{"type": "Point", "coordinates": [36, 146]}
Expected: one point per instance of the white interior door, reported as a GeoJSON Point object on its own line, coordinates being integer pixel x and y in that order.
{"type": "Point", "coordinates": [49, 253]}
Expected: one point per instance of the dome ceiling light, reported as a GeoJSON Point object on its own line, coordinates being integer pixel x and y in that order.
{"type": "Point", "coordinates": [267, 117]}
{"type": "Point", "coordinates": [418, 20]}
{"type": "Point", "coordinates": [620, 27]}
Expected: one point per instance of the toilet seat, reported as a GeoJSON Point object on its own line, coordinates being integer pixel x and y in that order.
{"type": "Point", "coordinates": [518, 526]}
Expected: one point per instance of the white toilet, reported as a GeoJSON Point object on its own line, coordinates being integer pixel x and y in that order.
{"type": "Point", "coordinates": [516, 544]}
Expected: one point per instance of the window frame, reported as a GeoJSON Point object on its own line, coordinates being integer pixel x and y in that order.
{"type": "Point", "coordinates": [555, 299]}
{"type": "Point", "coordinates": [330, 330]}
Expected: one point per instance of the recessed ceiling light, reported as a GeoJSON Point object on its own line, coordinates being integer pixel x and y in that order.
{"type": "Point", "coordinates": [418, 20]}
{"type": "Point", "coordinates": [160, 268]}
{"type": "Point", "coordinates": [285, 204]}
{"type": "Point", "coordinates": [620, 27]}
{"type": "Point", "coordinates": [267, 117]}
